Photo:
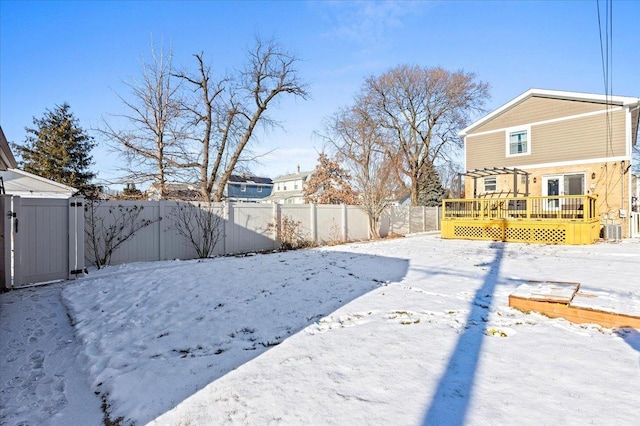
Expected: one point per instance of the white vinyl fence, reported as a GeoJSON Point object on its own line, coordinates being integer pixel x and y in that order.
{"type": "Point", "coordinates": [248, 227]}
{"type": "Point", "coordinates": [403, 220]}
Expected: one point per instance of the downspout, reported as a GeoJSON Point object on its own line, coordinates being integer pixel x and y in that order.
{"type": "Point", "coordinates": [622, 173]}
{"type": "Point", "coordinates": [622, 164]}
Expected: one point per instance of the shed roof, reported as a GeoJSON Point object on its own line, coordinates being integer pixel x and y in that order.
{"type": "Point", "coordinates": [24, 184]}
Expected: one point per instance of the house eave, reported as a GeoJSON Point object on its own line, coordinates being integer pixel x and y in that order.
{"type": "Point", "coordinates": [6, 156]}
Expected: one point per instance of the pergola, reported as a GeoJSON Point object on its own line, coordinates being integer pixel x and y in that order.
{"type": "Point", "coordinates": [494, 171]}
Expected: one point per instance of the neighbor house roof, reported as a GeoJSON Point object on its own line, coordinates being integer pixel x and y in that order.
{"type": "Point", "coordinates": [293, 176]}
{"type": "Point", "coordinates": [175, 191]}
{"type": "Point", "coordinates": [555, 94]}
{"type": "Point", "coordinates": [284, 195]}
{"type": "Point", "coordinates": [250, 179]}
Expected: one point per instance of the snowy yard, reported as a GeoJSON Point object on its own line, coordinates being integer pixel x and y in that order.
{"type": "Point", "coordinates": [407, 331]}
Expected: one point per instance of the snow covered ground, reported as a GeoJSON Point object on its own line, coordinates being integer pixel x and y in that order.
{"type": "Point", "coordinates": [406, 331]}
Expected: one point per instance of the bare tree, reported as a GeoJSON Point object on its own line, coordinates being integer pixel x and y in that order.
{"type": "Point", "coordinates": [360, 145]}
{"type": "Point", "coordinates": [154, 139]}
{"type": "Point", "coordinates": [449, 173]}
{"type": "Point", "coordinates": [422, 109]}
{"type": "Point", "coordinates": [204, 112]}
{"type": "Point", "coordinates": [270, 74]}
{"type": "Point", "coordinates": [226, 112]}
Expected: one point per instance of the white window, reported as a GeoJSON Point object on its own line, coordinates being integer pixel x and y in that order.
{"type": "Point", "coordinates": [518, 142]}
{"type": "Point", "coordinates": [490, 184]}
{"type": "Point", "coordinates": [295, 185]}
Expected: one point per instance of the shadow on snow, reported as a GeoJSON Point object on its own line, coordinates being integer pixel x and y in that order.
{"type": "Point", "coordinates": [451, 399]}
{"type": "Point", "coordinates": [222, 313]}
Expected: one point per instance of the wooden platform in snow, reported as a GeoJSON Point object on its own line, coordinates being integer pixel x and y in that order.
{"type": "Point", "coordinates": [566, 300]}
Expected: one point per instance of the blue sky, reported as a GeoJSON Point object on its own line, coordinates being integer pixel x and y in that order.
{"type": "Point", "coordinates": [81, 52]}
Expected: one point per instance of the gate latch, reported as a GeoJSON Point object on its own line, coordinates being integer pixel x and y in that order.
{"type": "Point", "coordinates": [13, 215]}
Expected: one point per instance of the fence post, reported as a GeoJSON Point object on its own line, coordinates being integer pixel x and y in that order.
{"type": "Point", "coordinates": [424, 218]}
{"type": "Point", "coordinates": [344, 223]}
{"type": "Point", "coordinates": [276, 225]}
{"type": "Point", "coordinates": [229, 222]}
{"type": "Point", "coordinates": [14, 228]}
{"type": "Point", "coordinates": [161, 237]}
{"type": "Point", "coordinates": [76, 237]}
{"type": "Point", "coordinates": [5, 241]}
{"type": "Point", "coordinates": [314, 222]}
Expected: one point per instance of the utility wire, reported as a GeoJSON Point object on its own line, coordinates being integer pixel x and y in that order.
{"type": "Point", "coordinates": [606, 53]}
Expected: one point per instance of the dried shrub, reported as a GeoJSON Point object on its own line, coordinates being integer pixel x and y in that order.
{"type": "Point", "coordinates": [107, 232]}
{"type": "Point", "coordinates": [290, 234]}
{"type": "Point", "coordinates": [200, 225]}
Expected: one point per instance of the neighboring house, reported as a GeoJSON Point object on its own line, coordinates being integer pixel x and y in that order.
{"type": "Point", "coordinates": [289, 189]}
{"type": "Point", "coordinates": [239, 188]}
{"type": "Point", "coordinates": [405, 200]}
{"type": "Point", "coordinates": [23, 184]}
{"type": "Point", "coordinates": [175, 191]}
{"type": "Point", "coordinates": [559, 143]}
{"type": "Point", "coordinates": [248, 189]}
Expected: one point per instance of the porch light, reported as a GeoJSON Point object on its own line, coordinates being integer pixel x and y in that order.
{"type": "Point", "coordinates": [535, 179]}
{"type": "Point", "coordinates": [593, 176]}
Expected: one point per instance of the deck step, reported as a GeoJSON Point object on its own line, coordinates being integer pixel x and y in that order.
{"type": "Point", "coordinates": [565, 300]}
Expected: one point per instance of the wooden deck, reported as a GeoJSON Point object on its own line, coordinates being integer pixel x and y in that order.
{"type": "Point", "coordinates": [546, 220]}
{"type": "Point", "coordinates": [565, 300]}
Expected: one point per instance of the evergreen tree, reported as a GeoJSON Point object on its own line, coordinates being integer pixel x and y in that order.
{"type": "Point", "coordinates": [131, 192]}
{"type": "Point", "coordinates": [58, 149]}
{"type": "Point", "coordinates": [329, 184]}
{"type": "Point", "coordinates": [431, 190]}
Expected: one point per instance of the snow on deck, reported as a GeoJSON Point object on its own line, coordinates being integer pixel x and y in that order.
{"type": "Point", "coordinates": [607, 301]}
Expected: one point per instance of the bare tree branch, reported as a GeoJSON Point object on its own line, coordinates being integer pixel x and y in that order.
{"type": "Point", "coordinates": [421, 109]}
{"type": "Point", "coordinates": [155, 135]}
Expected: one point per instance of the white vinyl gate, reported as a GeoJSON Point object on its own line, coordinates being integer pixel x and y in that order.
{"type": "Point", "coordinates": [42, 240]}
{"type": "Point", "coordinates": [634, 224]}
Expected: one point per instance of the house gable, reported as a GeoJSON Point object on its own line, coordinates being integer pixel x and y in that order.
{"type": "Point", "coordinates": [536, 109]}
{"type": "Point", "coordinates": [573, 103]}
{"type": "Point", "coordinates": [568, 140]}
{"type": "Point", "coordinates": [560, 127]}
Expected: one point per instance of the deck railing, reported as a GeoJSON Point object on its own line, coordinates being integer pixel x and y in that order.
{"type": "Point", "coordinates": [565, 207]}
{"type": "Point", "coordinates": [567, 219]}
